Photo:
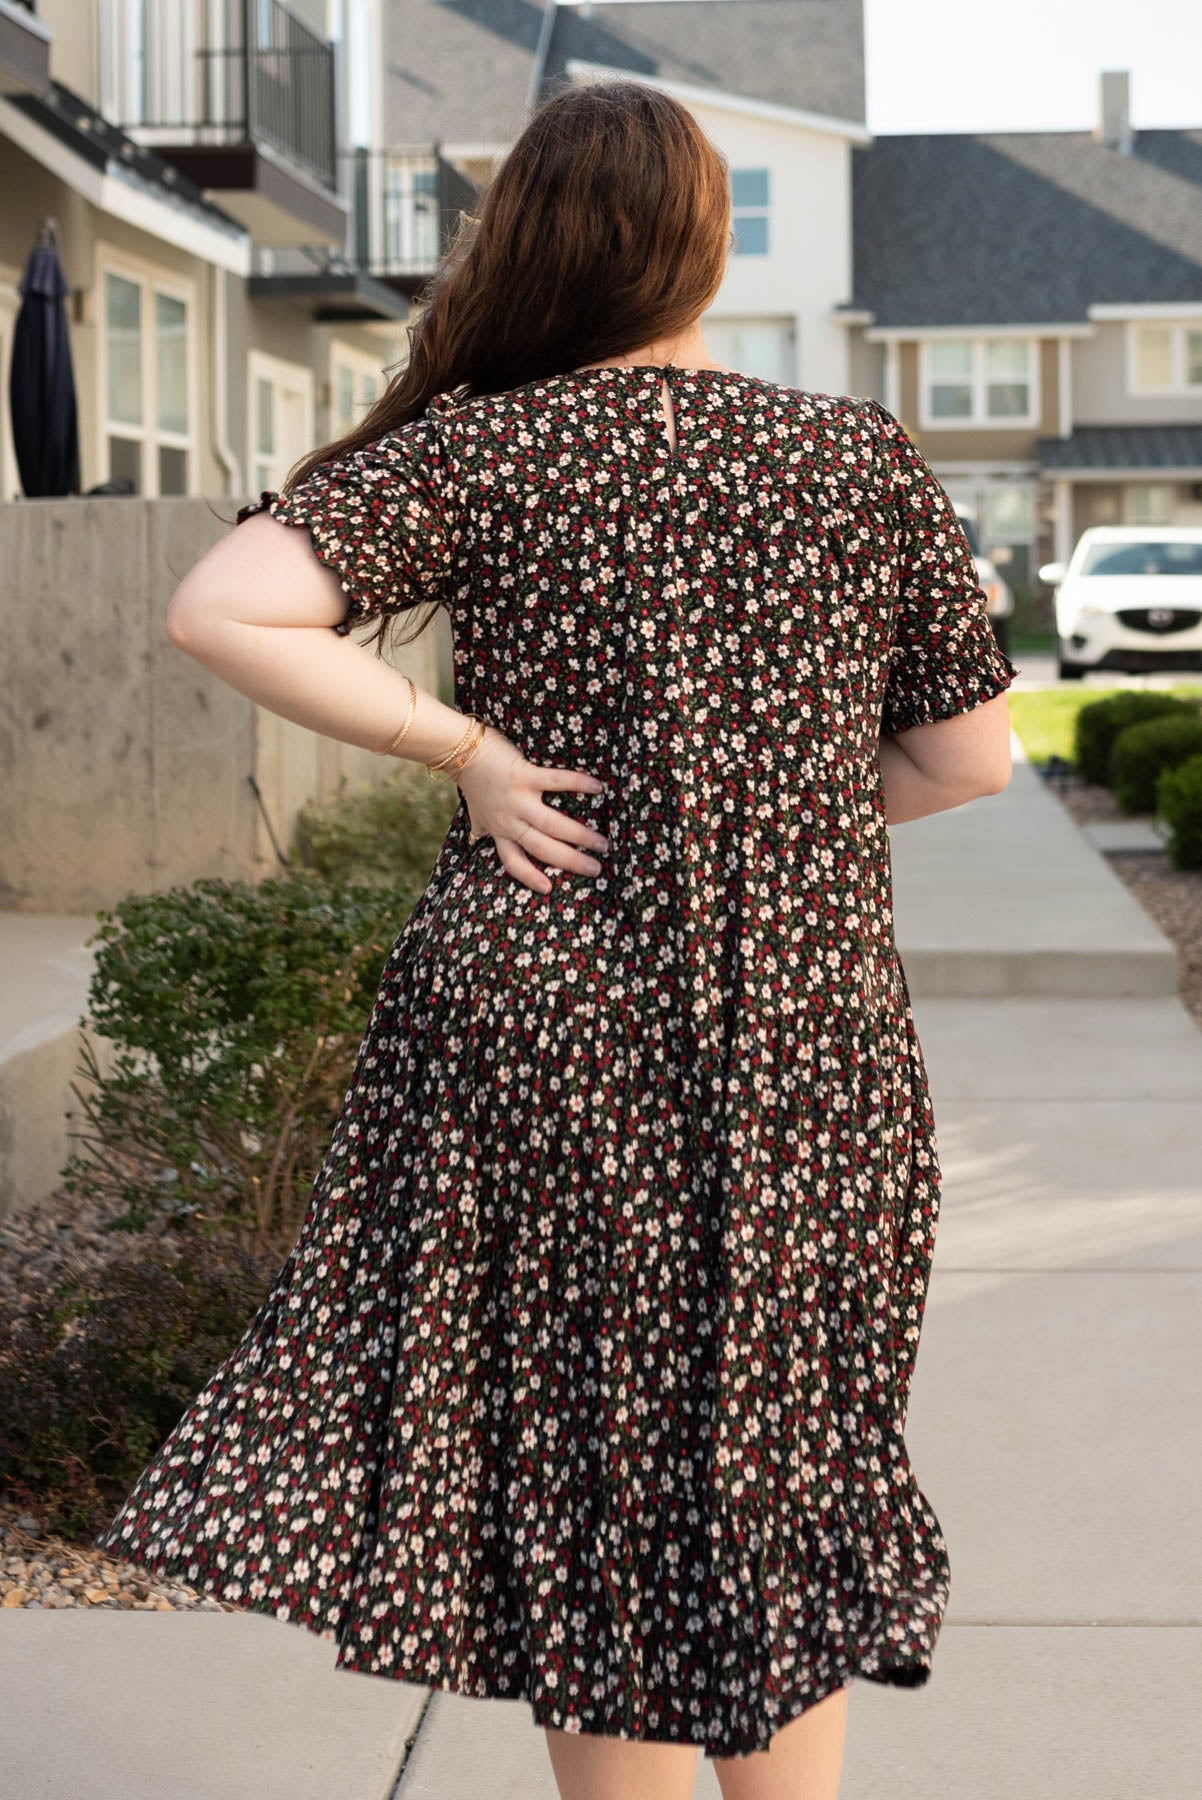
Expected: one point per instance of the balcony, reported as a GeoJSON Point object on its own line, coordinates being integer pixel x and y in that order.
{"type": "Point", "coordinates": [240, 98]}
{"type": "Point", "coordinates": [405, 204]}
{"type": "Point", "coordinates": [24, 49]}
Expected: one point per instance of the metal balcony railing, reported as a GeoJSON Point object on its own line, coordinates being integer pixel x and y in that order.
{"type": "Point", "coordinates": [405, 203]}
{"type": "Point", "coordinates": [236, 72]}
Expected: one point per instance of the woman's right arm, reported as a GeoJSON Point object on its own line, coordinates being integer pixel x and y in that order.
{"type": "Point", "coordinates": [933, 767]}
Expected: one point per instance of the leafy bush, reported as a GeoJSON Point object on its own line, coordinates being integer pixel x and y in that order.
{"type": "Point", "coordinates": [1099, 722]}
{"type": "Point", "coordinates": [234, 1015]}
{"type": "Point", "coordinates": [95, 1373]}
{"type": "Point", "coordinates": [1140, 752]}
{"type": "Point", "coordinates": [1179, 803]}
{"type": "Point", "coordinates": [387, 836]}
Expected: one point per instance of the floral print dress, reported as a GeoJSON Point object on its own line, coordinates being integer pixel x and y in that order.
{"type": "Point", "coordinates": [585, 1380]}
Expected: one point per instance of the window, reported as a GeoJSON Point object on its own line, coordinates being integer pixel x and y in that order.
{"type": "Point", "coordinates": [409, 200]}
{"type": "Point", "coordinates": [1150, 503]}
{"type": "Point", "coordinates": [978, 381]}
{"type": "Point", "coordinates": [356, 383]}
{"type": "Point", "coordinates": [1001, 521]}
{"type": "Point", "coordinates": [749, 211]}
{"type": "Point", "coordinates": [147, 384]}
{"type": "Point", "coordinates": [1164, 359]}
{"type": "Point", "coordinates": [281, 418]}
{"type": "Point", "coordinates": [764, 347]}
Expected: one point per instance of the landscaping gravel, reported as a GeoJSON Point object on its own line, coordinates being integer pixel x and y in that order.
{"type": "Point", "coordinates": [45, 1570]}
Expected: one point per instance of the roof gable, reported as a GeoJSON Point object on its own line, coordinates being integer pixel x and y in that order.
{"type": "Point", "coordinates": [459, 71]}
{"type": "Point", "coordinates": [1024, 227]}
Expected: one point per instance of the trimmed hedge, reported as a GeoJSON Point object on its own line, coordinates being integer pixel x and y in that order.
{"type": "Point", "coordinates": [1141, 752]}
{"type": "Point", "coordinates": [1179, 803]}
{"type": "Point", "coordinates": [1099, 723]}
{"type": "Point", "coordinates": [234, 1014]}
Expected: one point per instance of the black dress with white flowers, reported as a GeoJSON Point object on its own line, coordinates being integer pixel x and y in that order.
{"type": "Point", "coordinates": [585, 1380]}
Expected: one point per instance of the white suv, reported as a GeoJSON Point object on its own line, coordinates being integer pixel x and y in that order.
{"type": "Point", "coordinates": [1130, 597]}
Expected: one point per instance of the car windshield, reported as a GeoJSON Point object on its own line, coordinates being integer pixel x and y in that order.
{"type": "Point", "coordinates": [1145, 556]}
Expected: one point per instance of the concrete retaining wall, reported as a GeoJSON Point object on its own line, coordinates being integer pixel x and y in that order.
{"type": "Point", "coordinates": [126, 764]}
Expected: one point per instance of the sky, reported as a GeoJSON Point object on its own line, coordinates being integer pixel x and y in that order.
{"type": "Point", "coordinates": [1029, 65]}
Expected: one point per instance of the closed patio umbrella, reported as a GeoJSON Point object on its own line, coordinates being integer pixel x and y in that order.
{"type": "Point", "coordinates": [41, 387]}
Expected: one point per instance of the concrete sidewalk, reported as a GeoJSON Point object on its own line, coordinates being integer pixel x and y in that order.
{"type": "Point", "coordinates": [1054, 1421]}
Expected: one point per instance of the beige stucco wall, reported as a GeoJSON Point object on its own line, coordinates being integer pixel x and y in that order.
{"type": "Point", "coordinates": [125, 764]}
{"type": "Point", "coordinates": [286, 330]}
{"type": "Point", "coordinates": [1101, 395]}
{"type": "Point", "coordinates": [980, 445]}
{"type": "Point", "coordinates": [865, 365]}
{"type": "Point", "coordinates": [75, 44]}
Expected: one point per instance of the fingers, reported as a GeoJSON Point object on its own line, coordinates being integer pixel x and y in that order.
{"type": "Point", "coordinates": [579, 779]}
{"type": "Point", "coordinates": [516, 863]}
{"type": "Point", "coordinates": [559, 854]}
{"type": "Point", "coordinates": [555, 824]}
{"type": "Point", "coordinates": [518, 858]}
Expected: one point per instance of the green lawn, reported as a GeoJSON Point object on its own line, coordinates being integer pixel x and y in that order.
{"type": "Point", "coordinates": [1044, 718]}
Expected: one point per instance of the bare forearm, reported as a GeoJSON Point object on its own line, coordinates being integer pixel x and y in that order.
{"type": "Point", "coordinates": [328, 683]}
{"type": "Point", "coordinates": [910, 793]}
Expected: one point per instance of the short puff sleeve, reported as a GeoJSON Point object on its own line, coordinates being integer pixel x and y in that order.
{"type": "Point", "coordinates": [382, 518]}
{"type": "Point", "coordinates": [945, 657]}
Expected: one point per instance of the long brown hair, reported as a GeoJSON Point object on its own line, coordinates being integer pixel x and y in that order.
{"type": "Point", "coordinates": [606, 226]}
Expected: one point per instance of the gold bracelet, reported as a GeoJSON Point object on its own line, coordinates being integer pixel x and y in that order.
{"type": "Point", "coordinates": [454, 760]}
{"type": "Point", "coordinates": [390, 748]}
{"type": "Point", "coordinates": [450, 766]}
{"type": "Point", "coordinates": [449, 755]}
{"type": "Point", "coordinates": [447, 759]}
{"type": "Point", "coordinates": [479, 740]}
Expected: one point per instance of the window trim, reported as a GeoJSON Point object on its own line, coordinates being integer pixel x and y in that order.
{"type": "Point", "coordinates": [362, 362]}
{"type": "Point", "coordinates": [150, 278]}
{"type": "Point", "coordinates": [1132, 488]}
{"type": "Point", "coordinates": [275, 369]}
{"type": "Point", "coordinates": [1179, 388]}
{"type": "Point", "coordinates": [10, 475]}
{"type": "Point", "coordinates": [979, 420]}
{"type": "Point", "coordinates": [752, 212]}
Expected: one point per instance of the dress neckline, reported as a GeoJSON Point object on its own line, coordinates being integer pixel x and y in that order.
{"type": "Point", "coordinates": [646, 368]}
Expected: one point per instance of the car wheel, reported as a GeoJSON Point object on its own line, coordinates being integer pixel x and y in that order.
{"type": "Point", "coordinates": [1067, 670]}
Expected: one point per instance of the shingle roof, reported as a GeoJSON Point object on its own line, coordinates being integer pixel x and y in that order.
{"type": "Point", "coordinates": [1101, 447]}
{"type": "Point", "coordinates": [1024, 227]}
{"type": "Point", "coordinates": [460, 69]}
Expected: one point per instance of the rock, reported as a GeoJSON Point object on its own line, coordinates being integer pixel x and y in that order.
{"type": "Point", "coordinates": [16, 1596]}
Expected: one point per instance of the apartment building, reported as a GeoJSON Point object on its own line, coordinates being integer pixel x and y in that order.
{"type": "Point", "coordinates": [240, 243]}
{"type": "Point", "coordinates": [778, 87]}
{"type": "Point", "coordinates": [1030, 305]}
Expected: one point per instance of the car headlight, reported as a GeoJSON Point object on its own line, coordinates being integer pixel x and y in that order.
{"type": "Point", "coordinates": [1088, 610]}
